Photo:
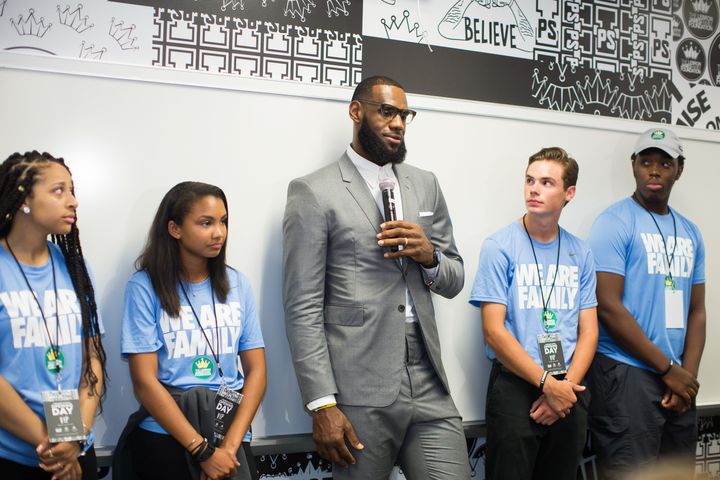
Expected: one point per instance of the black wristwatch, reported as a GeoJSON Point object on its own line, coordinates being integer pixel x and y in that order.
{"type": "Point", "coordinates": [205, 454]}
{"type": "Point", "coordinates": [436, 259]}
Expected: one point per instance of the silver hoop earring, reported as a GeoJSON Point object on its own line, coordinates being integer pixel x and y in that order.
{"type": "Point", "coordinates": [26, 210]}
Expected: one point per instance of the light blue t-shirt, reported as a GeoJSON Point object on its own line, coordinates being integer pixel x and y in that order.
{"type": "Point", "coordinates": [507, 275]}
{"type": "Point", "coordinates": [625, 241]}
{"type": "Point", "coordinates": [24, 340]}
{"type": "Point", "coordinates": [184, 358]}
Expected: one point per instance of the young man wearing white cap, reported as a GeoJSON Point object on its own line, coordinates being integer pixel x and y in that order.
{"type": "Point", "coordinates": [650, 263]}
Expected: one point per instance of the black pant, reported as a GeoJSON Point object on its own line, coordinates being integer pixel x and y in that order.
{"type": "Point", "coordinates": [520, 449]}
{"type": "Point", "coordinates": [155, 456]}
{"type": "Point", "coordinates": [629, 428]}
{"type": "Point", "coordinates": [10, 470]}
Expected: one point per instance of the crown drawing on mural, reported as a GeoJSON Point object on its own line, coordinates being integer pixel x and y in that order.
{"type": "Point", "coordinates": [123, 35]}
{"type": "Point", "coordinates": [299, 8]}
{"type": "Point", "coordinates": [234, 4]}
{"type": "Point", "coordinates": [701, 6]}
{"type": "Point", "coordinates": [335, 7]}
{"type": "Point", "coordinates": [74, 18]}
{"type": "Point", "coordinates": [29, 25]}
{"type": "Point", "coordinates": [90, 53]}
{"type": "Point", "coordinates": [596, 89]}
{"type": "Point", "coordinates": [660, 99]}
{"type": "Point", "coordinates": [691, 52]}
{"type": "Point", "coordinates": [402, 30]}
{"type": "Point", "coordinates": [202, 363]}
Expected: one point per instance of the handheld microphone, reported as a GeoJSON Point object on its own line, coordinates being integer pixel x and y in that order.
{"type": "Point", "coordinates": [387, 187]}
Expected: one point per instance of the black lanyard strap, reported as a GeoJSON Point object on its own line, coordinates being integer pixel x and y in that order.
{"type": "Point", "coordinates": [55, 349]}
{"type": "Point", "coordinates": [217, 328]}
{"type": "Point", "coordinates": [537, 267]}
{"type": "Point", "coordinates": [671, 258]}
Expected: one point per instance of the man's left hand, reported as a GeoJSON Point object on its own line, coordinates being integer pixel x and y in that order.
{"type": "Point", "coordinates": [541, 412]}
{"type": "Point", "coordinates": [411, 237]}
{"type": "Point", "coordinates": [674, 402]}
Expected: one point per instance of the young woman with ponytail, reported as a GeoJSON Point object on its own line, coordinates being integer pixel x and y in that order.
{"type": "Point", "coordinates": [50, 331]}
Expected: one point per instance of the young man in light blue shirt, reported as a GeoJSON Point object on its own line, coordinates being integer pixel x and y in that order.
{"type": "Point", "coordinates": [536, 287]}
{"type": "Point", "coordinates": [651, 294]}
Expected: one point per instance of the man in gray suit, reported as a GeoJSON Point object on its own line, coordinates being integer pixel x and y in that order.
{"type": "Point", "coordinates": [358, 306]}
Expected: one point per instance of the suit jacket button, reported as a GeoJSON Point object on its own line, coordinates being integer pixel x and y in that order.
{"type": "Point", "coordinates": [401, 308]}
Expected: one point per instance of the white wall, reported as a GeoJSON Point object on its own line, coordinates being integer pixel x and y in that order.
{"type": "Point", "coordinates": [128, 142]}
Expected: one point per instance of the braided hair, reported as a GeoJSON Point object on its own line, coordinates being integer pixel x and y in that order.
{"type": "Point", "coordinates": [18, 174]}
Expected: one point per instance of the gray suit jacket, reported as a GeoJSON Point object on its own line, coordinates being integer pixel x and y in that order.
{"type": "Point", "coordinates": [342, 298]}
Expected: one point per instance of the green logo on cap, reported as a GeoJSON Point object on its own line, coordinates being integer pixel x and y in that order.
{"type": "Point", "coordinates": [657, 135]}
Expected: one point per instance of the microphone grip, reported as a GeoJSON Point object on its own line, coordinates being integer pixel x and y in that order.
{"type": "Point", "coordinates": [388, 199]}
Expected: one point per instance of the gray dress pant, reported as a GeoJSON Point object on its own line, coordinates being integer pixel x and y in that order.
{"type": "Point", "coordinates": [421, 431]}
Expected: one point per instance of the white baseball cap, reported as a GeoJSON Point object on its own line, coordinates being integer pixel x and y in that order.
{"type": "Point", "coordinates": [661, 138]}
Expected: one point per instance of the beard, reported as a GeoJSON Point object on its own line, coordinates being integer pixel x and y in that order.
{"type": "Point", "coordinates": [376, 147]}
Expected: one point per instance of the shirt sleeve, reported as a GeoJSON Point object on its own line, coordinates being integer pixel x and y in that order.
{"type": "Point", "coordinates": [609, 239]}
{"type": "Point", "coordinates": [699, 267]}
{"type": "Point", "coordinates": [492, 282]}
{"type": "Point", "coordinates": [321, 402]}
{"type": "Point", "coordinates": [251, 336]}
{"type": "Point", "coordinates": [430, 274]}
{"type": "Point", "coordinates": [139, 333]}
{"type": "Point", "coordinates": [588, 282]}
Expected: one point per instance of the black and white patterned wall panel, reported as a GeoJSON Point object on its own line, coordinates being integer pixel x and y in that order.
{"type": "Point", "coordinates": [254, 48]}
{"type": "Point", "coordinates": [308, 466]}
{"type": "Point", "coordinates": [651, 60]}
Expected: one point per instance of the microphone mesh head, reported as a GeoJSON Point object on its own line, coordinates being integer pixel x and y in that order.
{"type": "Point", "coordinates": [387, 184]}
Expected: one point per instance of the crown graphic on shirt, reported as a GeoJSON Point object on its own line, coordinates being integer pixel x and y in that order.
{"type": "Point", "coordinates": [74, 18]}
{"type": "Point", "coordinates": [124, 36]}
{"type": "Point", "coordinates": [402, 30]}
{"type": "Point", "coordinates": [29, 25]}
{"type": "Point", "coordinates": [701, 6]}
{"type": "Point", "coordinates": [691, 52]}
{"type": "Point", "coordinates": [202, 363]}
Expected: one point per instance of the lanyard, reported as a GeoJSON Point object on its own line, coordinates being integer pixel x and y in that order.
{"type": "Point", "coordinates": [546, 313]}
{"type": "Point", "coordinates": [668, 259]}
{"type": "Point", "coordinates": [54, 349]}
{"type": "Point", "coordinates": [217, 329]}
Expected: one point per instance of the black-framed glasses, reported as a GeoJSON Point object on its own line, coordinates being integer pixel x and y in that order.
{"type": "Point", "coordinates": [388, 112]}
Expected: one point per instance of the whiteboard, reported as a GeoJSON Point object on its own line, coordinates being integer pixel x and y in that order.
{"type": "Point", "coordinates": [127, 142]}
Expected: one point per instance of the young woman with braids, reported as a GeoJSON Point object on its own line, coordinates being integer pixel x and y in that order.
{"type": "Point", "coordinates": [49, 324]}
{"type": "Point", "coordinates": [188, 317]}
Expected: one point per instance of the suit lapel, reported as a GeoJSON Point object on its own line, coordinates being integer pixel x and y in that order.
{"type": "Point", "coordinates": [410, 202]}
{"type": "Point", "coordinates": [357, 187]}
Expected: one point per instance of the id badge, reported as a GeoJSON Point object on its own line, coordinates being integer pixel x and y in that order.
{"type": "Point", "coordinates": [674, 308]}
{"type": "Point", "coordinates": [62, 415]}
{"type": "Point", "coordinates": [551, 353]}
{"type": "Point", "coordinates": [226, 403]}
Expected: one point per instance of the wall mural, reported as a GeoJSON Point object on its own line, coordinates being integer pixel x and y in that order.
{"type": "Point", "coordinates": [308, 466]}
{"type": "Point", "coordinates": [653, 60]}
